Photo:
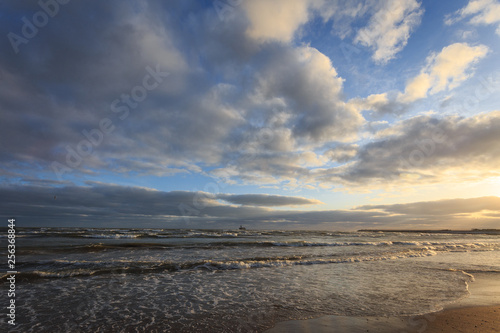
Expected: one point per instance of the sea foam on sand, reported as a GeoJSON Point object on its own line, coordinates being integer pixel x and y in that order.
{"type": "Point", "coordinates": [480, 312]}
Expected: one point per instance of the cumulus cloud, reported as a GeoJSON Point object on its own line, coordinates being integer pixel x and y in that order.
{"type": "Point", "coordinates": [382, 104]}
{"type": "Point", "coordinates": [311, 89]}
{"type": "Point", "coordinates": [69, 87]}
{"type": "Point", "coordinates": [342, 153]}
{"type": "Point", "coordinates": [481, 12]}
{"type": "Point", "coordinates": [234, 101]}
{"type": "Point", "coordinates": [281, 20]}
{"type": "Point", "coordinates": [426, 148]}
{"type": "Point", "coordinates": [276, 19]}
{"type": "Point", "coordinates": [295, 107]}
{"type": "Point", "coordinates": [389, 29]}
{"type": "Point", "coordinates": [444, 71]}
{"type": "Point", "coordinates": [243, 101]}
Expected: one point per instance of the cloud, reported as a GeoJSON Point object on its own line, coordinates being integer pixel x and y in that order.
{"type": "Point", "coordinates": [481, 12]}
{"type": "Point", "coordinates": [382, 104]}
{"type": "Point", "coordinates": [241, 103]}
{"type": "Point", "coordinates": [441, 207]}
{"type": "Point", "coordinates": [113, 205]}
{"type": "Point", "coordinates": [294, 107]}
{"type": "Point", "coordinates": [342, 153]}
{"type": "Point", "coordinates": [344, 13]}
{"type": "Point", "coordinates": [389, 28]}
{"type": "Point", "coordinates": [281, 20]}
{"type": "Point", "coordinates": [444, 71]}
{"type": "Point", "coordinates": [78, 71]}
{"type": "Point", "coordinates": [275, 20]}
{"type": "Point", "coordinates": [233, 100]}
{"type": "Point", "coordinates": [266, 200]}
{"type": "Point", "coordinates": [107, 202]}
{"type": "Point", "coordinates": [312, 91]}
{"type": "Point", "coordinates": [425, 150]}
{"type": "Point", "coordinates": [106, 205]}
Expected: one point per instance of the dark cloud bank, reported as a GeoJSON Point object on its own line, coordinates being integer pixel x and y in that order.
{"type": "Point", "coordinates": [119, 206]}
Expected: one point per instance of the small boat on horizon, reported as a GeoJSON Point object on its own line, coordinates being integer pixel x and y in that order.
{"type": "Point", "coordinates": [242, 228]}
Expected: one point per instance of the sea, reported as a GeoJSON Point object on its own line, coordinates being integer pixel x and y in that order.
{"type": "Point", "coordinates": [179, 280]}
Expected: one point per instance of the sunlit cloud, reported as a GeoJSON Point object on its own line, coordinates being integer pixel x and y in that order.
{"type": "Point", "coordinates": [444, 71]}
{"type": "Point", "coordinates": [427, 149]}
{"type": "Point", "coordinates": [389, 28]}
{"type": "Point", "coordinates": [441, 207]}
{"type": "Point", "coordinates": [479, 12]}
{"type": "Point", "coordinates": [276, 19]}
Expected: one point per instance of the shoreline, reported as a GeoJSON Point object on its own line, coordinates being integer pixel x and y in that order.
{"type": "Point", "coordinates": [478, 312]}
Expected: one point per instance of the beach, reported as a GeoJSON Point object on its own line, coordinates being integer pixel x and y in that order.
{"type": "Point", "coordinates": [479, 312]}
{"type": "Point", "coordinates": [193, 280]}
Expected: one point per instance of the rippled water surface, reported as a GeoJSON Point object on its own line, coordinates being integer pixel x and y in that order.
{"type": "Point", "coordinates": [103, 280]}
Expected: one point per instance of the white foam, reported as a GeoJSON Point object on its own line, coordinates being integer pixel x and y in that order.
{"type": "Point", "coordinates": [114, 236]}
{"type": "Point", "coordinates": [213, 264]}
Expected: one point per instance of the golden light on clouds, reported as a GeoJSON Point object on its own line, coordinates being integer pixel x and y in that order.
{"type": "Point", "coordinates": [445, 70]}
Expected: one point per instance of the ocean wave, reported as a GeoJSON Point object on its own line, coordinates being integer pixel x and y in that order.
{"type": "Point", "coordinates": [68, 269]}
{"type": "Point", "coordinates": [112, 236]}
{"type": "Point", "coordinates": [145, 245]}
{"type": "Point", "coordinates": [91, 248]}
{"type": "Point", "coordinates": [211, 265]}
{"type": "Point", "coordinates": [174, 233]}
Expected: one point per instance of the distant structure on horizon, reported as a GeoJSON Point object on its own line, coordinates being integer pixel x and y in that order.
{"type": "Point", "coordinates": [438, 231]}
{"type": "Point", "coordinates": [242, 228]}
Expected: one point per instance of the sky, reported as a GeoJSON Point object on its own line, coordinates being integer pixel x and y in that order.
{"type": "Point", "coordinates": [273, 114]}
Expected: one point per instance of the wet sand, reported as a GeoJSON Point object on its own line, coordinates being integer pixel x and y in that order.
{"type": "Point", "coordinates": [480, 312]}
{"type": "Point", "coordinates": [476, 319]}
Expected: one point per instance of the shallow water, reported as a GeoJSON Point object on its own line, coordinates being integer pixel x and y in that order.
{"type": "Point", "coordinates": [130, 280]}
